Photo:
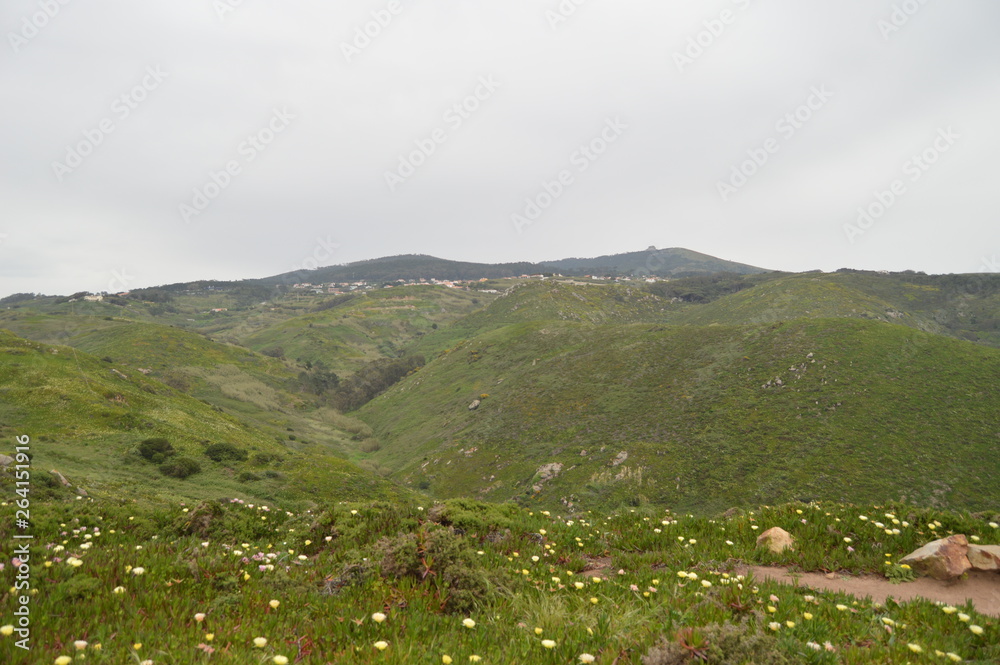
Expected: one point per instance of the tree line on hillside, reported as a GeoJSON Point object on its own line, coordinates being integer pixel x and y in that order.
{"type": "Point", "coordinates": [361, 387]}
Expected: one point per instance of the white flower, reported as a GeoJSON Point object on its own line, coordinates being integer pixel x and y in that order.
{"type": "Point", "coordinates": [468, 623]}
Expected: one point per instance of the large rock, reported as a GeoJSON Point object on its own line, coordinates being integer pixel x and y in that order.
{"type": "Point", "coordinates": [6, 460]}
{"type": "Point", "coordinates": [984, 557]}
{"type": "Point", "coordinates": [776, 539]}
{"type": "Point", "coordinates": [943, 559]}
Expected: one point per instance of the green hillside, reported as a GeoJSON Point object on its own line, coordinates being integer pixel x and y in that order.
{"type": "Point", "coordinates": [695, 417]}
{"type": "Point", "coordinates": [89, 416]}
{"type": "Point", "coordinates": [652, 261]}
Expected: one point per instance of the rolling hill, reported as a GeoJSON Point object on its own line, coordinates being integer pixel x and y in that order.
{"type": "Point", "coordinates": [87, 418]}
{"type": "Point", "coordinates": [700, 418]}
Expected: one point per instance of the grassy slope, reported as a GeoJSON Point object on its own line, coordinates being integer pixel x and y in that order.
{"type": "Point", "coordinates": [879, 411]}
{"type": "Point", "coordinates": [87, 421]}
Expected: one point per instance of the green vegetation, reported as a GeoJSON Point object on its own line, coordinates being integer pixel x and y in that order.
{"type": "Point", "coordinates": [374, 582]}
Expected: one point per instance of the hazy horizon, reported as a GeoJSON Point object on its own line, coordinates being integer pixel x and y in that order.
{"type": "Point", "coordinates": [159, 142]}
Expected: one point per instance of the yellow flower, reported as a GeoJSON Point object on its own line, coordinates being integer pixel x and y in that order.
{"type": "Point", "coordinates": [378, 617]}
{"type": "Point", "coordinates": [280, 660]}
{"type": "Point", "coordinates": [474, 658]}
{"type": "Point", "coordinates": [954, 657]}
{"type": "Point", "coordinates": [976, 630]}
{"type": "Point", "coordinates": [549, 644]}
{"type": "Point", "coordinates": [915, 648]}
{"type": "Point", "coordinates": [274, 603]}
{"type": "Point", "coordinates": [593, 600]}
{"type": "Point", "coordinates": [948, 609]}
{"type": "Point", "coordinates": [962, 616]}
{"type": "Point", "coordinates": [381, 645]}
{"type": "Point", "coordinates": [843, 608]}
{"type": "Point", "coordinates": [586, 658]}
{"type": "Point", "coordinates": [774, 625]}
{"type": "Point", "coordinates": [446, 659]}
{"type": "Point", "coordinates": [7, 630]}
{"type": "Point", "coordinates": [63, 660]}
{"type": "Point", "coordinates": [209, 637]}
{"type": "Point", "coordinates": [137, 646]}
{"type": "Point", "coordinates": [790, 624]}
{"type": "Point", "coordinates": [578, 585]}
{"type": "Point", "coordinates": [807, 616]}
{"type": "Point", "coordinates": [468, 623]}
{"type": "Point", "coordinates": [538, 631]}
{"type": "Point", "coordinates": [260, 642]}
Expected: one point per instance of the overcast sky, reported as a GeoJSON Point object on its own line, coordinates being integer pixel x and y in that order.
{"type": "Point", "coordinates": [151, 142]}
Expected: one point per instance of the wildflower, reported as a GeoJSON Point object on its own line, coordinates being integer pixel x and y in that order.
{"type": "Point", "coordinates": [809, 599]}
{"type": "Point", "coordinates": [549, 644]}
{"type": "Point", "coordinates": [976, 630]}
{"type": "Point", "coordinates": [847, 540]}
{"type": "Point", "coordinates": [446, 659]}
{"type": "Point", "coordinates": [80, 645]}
{"type": "Point", "coordinates": [954, 657]}
{"type": "Point", "coordinates": [199, 617]}
{"type": "Point", "coordinates": [593, 600]}
{"type": "Point", "coordinates": [468, 623]}
{"type": "Point", "coordinates": [774, 625]}
{"type": "Point", "coordinates": [772, 609]}
{"type": "Point", "coordinates": [474, 658]}
{"type": "Point", "coordinates": [790, 624]}
{"type": "Point", "coordinates": [63, 660]}
{"type": "Point", "coordinates": [729, 542]}
{"type": "Point", "coordinates": [274, 604]}
{"type": "Point", "coordinates": [280, 660]}
{"type": "Point", "coordinates": [807, 616]}
{"type": "Point", "coordinates": [706, 583]}
{"type": "Point", "coordinates": [138, 570]}
{"type": "Point", "coordinates": [586, 658]}
{"type": "Point", "coordinates": [842, 608]}
{"type": "Point", "coordinates": [578, 585]}
{"type": "Point", "coordinates": [915, 648]}
{"type": "Point", "coordinates": [378, 617]}
{"type": "Point", "coordinates": [7, 630]}
{"type": "Point", "coordinates": [538, 631]}
{"type": "Point", "coordinates": [209, 637]}
{"type": "Point", "coordinates": [381, 645]}
{"type": "Point", "coordinates": [814, 646]}
{"type": "Point", "coordinates": [962, 616]}
{"type": "Point", "coordinates": [948, 609]}
{"type": "Point", "coordinates": [994, 525]}
{"type": "Point", "coordinates": [137, 646]}
{"type": "Point", "coordinates": [260, 642]}
{"type": "Point", "coordinates": [887, 621]}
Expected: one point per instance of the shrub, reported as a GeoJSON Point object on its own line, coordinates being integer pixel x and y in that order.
{"type": "Point", "coordinates": [439, 554]}
{"type": "Point", "coordinates": [156, 446]}
{"type": "Point", "coordinates": [220, 452]}
{"type": "Point", "coordinates": [725, 644]}
{"type": "Point", "coordinates": [181, 467]}
{"type": "Point", "coordinates": [247, 477]}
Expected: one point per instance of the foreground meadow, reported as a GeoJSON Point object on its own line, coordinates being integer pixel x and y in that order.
{"type": "Point", "coordinates": [460, 582]}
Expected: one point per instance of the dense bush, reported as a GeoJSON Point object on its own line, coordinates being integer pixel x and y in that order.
{"type": "Point", "coordinates": [371, 379]}
{"type": "Point", "coordinates": [180, 467]}
{"type": "Point", "coordinates": [220, 452]}
{"type": "Point", "coordinates": [151, 448]}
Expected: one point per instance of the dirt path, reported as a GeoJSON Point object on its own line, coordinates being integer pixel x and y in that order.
{"type": "Point", "coordinates": [983, 589]}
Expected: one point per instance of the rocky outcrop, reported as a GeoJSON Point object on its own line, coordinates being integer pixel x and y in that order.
{"type": "Point", "coordinates": [942, 559]}
{"type": "Point", "coordinates": [545, 473]}
{"type": "Point", "coordinates": [776, 539]}
{"type": "Point", "coordinates": [984, 557]}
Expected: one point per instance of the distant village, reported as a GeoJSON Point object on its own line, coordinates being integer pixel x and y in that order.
{"type": "Point", "coordinates": [339, 288]}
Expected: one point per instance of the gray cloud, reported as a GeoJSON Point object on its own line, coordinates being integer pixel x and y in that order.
{"type": "Point", "coordinates": [323, 176]}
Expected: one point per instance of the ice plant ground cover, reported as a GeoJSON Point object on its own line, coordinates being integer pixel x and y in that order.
{"type": "Point", "coordinates": [463, 581]}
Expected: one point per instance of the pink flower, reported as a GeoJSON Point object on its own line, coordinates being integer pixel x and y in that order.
{"type": "Point", "coordinates": [850, 549]}
{"type": "Point", "coordinates": [633, 587]}
{"type": "Point", "coordinates": [15, 562]}
{"type": "Point", "coordinates": [262, 567]}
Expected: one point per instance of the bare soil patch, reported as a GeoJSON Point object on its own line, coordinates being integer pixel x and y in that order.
{"type": "Point", "coordinates": [983, 589]}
